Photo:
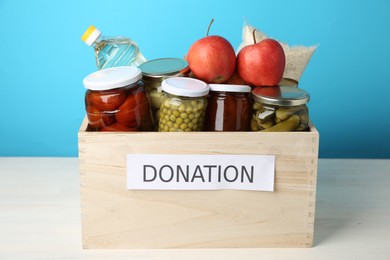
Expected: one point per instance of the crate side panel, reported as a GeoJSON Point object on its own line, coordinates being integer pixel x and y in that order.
{"type": "Point", "coordinates": [114, 217]}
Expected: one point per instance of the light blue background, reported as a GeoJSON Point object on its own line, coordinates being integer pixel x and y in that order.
{"type": "Point", "coordinates": [43, 62]}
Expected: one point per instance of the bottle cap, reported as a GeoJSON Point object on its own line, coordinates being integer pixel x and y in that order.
{"type": "Point", "coordinates": [187, 87]}
{"type": "Point", "coordinates": [90, 35]}
{"type": "Point", "coordinates": [112, 78]}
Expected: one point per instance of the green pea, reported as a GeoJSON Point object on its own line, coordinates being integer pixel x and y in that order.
{"type": "Point", "coordinates": [176, 113]}
{"type": "Point", "coordinates": [166, 103]}
{"type": "Point", "coordinates": [182, 108]}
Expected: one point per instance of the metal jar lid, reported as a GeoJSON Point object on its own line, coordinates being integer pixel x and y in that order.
{"type": "Point", "coordinates": [281, 95]}
{"type": "Point", "coordinates": [164, 67]}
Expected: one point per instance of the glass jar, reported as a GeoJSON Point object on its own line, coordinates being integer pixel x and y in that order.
{"type": "Point", "coordinates": [116, 100]}
{"type": "Point", "coordinates": [154, 72]}
{"type": "Point", "coordinates": [229, 108]}
{"type": "Point", "coordinates": [280, 108]}
{"type": "Point", "coordinates": [183, 105]}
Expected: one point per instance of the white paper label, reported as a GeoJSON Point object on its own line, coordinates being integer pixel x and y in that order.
{"type": "Point", "coordinates": [200, 172]}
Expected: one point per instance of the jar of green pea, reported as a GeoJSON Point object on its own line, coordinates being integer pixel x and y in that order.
{"type": "Point", "coordinates": [183, 105]}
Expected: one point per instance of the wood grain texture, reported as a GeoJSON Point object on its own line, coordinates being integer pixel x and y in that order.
{"type": "Point", "coordinates": [114, 217]}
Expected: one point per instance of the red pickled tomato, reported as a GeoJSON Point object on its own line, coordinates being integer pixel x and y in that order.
{"type": "Point", "coordinates": [140, 97]}
{"type": "Point", "coordinates": [116, 127]}
{"type": "Point", "coordinates": [126, 113]}
{"type": "Point", "coordinates": [133, 110]}
{"type": "Point", "coordinates": [107, 100]}
{"type": "Point", "coordinates": [87, 99]}
{"type": "Point", "coordinates": [143, 104]}
{"type": "Point", "coordinates": [98, 119]}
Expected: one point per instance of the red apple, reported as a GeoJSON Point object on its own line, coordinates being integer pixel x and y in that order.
{"type": "Point", "coordinates": [212, 59]}
{"type": "Point", "coordinates": [262, 64]}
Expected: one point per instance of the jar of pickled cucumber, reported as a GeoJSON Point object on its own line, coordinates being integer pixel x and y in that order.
{"type": "Point", "coordinates": [183, 105]}
{"type": "Point", "coordinates": [280, 108]}
{"type": "Point", "coordinates": [229, 108]}
{"type": "Point", "coordinates": [116, 100]}
{"type": "Point", "coordinates": [154, 72]}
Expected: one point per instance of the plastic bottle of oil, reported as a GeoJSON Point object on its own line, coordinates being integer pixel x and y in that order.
{"type": "Point", "coordinates": [112, 51]}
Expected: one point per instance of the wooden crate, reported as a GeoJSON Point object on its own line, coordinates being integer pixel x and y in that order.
{"type": "Point", "coordinates": [115, 217]}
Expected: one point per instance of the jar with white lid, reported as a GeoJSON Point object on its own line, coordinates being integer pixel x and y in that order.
{"type": "Point", "coordinates": [116, 100]}
{"type": "Point", "coordinates": [279, 109]}
{"type": "Point", "coordinates": [183, 105]}
{"type": "Point", "coordinates": [229, 108]}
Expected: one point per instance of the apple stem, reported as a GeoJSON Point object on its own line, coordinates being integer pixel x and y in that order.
{"type": "Point", "coordinates": [208, 29]}
{"type": "Point", "coordinates": [254, 35]}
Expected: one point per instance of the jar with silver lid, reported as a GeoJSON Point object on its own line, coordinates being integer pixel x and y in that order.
{"type": "Point", "coordinates": [280, 108]}
{"type": "Point", "coordinates": [154, 72]}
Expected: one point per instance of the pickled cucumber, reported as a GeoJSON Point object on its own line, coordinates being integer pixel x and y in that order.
{"type": "Point", "coordinates": [254, 125]}
{"type": "Point", "coordinates": [266, 125]}
{"type": "Point", "coordinates": [265, 114]}
{"type": "Point", "coordinates": [283, 113]}
{"type": "Point", "coordinates": [182, 115]}
{"type": "Point", "coordinates": [289, 124]}
{"type": "Point", "coordinates": [257, 106]}
{"type": "Point", "coordinates": [304, 120]}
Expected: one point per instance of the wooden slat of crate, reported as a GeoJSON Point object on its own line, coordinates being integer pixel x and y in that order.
{"type": "Point", "coordinates": [114, 217]}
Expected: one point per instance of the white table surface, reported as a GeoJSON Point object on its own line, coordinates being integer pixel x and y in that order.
{"type": "Point", "coordinates": [40, 215]}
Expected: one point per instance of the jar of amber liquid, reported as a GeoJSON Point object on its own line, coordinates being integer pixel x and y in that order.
{"type": "Point", "coordinates": [280, 109]}
{"type": "Point", "coordinates": [229, 108]}
{"type": "Point", "coordinates": [116, 100]}
{"type": "Point", "coordinates": [183, 105]}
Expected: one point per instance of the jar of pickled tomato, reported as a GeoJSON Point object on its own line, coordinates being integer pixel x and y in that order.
{"type": "Point", "coordinates": [116, 100]}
